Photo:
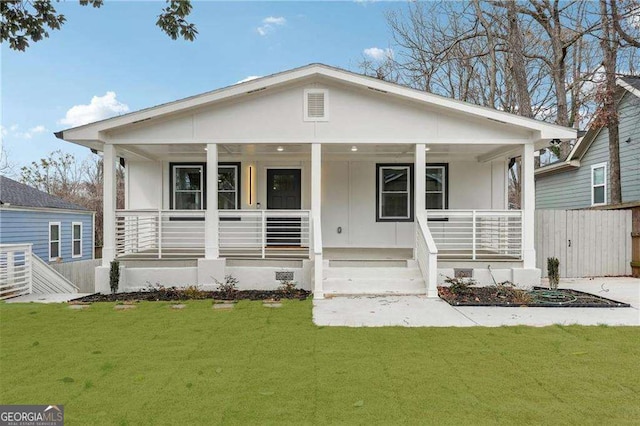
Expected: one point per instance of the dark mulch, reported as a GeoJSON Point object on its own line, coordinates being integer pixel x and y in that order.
{"type": "Point", "coordinates": [537, 297]}
{"type": "Point", "coordinates": [173, 294]}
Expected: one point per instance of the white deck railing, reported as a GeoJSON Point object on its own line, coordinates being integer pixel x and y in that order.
{"type": "Point", "coordinates": [179, 234]}
{"type": "Point", "coordinates": [427, 256]}
{"type": "Point", "coordinates": [15, 270]}
{"type": "Point", "coordinates": [264, 234]}
{"type": "Point", "coordinates": [477, 234]}
{"type": "Point", "coordinates": [160, 234]}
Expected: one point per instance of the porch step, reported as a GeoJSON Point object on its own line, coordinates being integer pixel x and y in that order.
{"type": "Point", "coordinates": [373, 286]}
{"type": "Point", "coordinates": [392, 278]}
{"type": "Point", "coordinates": [368, 263]}
{"type": "Point", "coordinates": [373, 273]}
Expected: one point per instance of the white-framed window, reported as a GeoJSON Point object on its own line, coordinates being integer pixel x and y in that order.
{"type": "Point", "coordinates": [76, 239]}
{"type": "Point", "coordinates": [436, 186]}
{"type": "Point", "coordinates": [599, 184]}
{"type": "Point", "coordinates": [187, 191]}
{"type": "Point", "coordinates": [394, 192]}
{"type": "Point", "coordinates": [316, 105]}
{"type": "Point", "coordinates": [55, 245]}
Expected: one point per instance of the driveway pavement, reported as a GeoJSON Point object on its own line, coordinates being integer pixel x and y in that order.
{"type": "Point", "coordinates": [418, 311]}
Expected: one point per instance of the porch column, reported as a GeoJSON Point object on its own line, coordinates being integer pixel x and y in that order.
{"type": "Point", "coordinates": [109, 204]}
{"type": "Point", "coordinates": [316, 215]}
{"type": "Point", "coordinates": [211, 239]}
{"type": "Point", "coordinates": [316, 178]}
{"type": "Point", "coordinates": [528, 200]}
{"type": "Point", "coordinates": [419, 185]}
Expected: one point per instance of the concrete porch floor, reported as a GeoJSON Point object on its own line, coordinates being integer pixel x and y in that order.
{"type": "Point", "coordinates": [418, 311]}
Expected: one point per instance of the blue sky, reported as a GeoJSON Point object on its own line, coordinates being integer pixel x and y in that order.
{"type": "Point", "coordinates": [116, 56]}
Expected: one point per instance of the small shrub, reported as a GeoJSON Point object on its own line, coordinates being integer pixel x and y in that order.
{"type": "Point", "coordinates": [553, 272]}
{"type": "Point", "coordinates": [287, 287]}
{"type": "Point", "coordinates": [192, 292]}
{"type": "Point", "coordinates": [228, 288]}
{"type": "Point", "coordinates": [460, 285]}
{"type": "Point", "coordinates": [114, 276]}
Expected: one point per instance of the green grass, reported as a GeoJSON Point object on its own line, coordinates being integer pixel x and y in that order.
{"type": "Point", "coordinates": [255, 365]}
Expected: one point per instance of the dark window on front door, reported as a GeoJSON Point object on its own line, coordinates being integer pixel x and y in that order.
{"type": "Point", "coordinates": [284, 193]}
{"type": "Point", "coordinates": [284, 189]}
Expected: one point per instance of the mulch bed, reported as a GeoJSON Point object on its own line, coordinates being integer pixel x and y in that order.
{"type": "Point", "coordinates": [174, 294]}
{"type": "Point", "coordinates": [539, 297]}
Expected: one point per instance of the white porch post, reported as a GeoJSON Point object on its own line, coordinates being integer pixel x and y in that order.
{"type": "Point", "coordinates": [316, 178]}
{"type": "Point", "coordinates": [419, 171]}
{"type": "Point", "coordinates": [211, 238]}
{"type": "Point", "coordinates": [316, 215]}
{"type": "Point", "coordinates": [528, 200]}
{"type": "Point", "coordinates": [109, 204]}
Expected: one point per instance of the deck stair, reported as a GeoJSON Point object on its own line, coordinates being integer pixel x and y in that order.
{"type": "Point", "coordinates": [47, 280]}
{"type": "Point", "coordinates": [372, 277]}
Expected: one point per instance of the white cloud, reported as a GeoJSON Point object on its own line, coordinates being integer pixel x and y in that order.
{"type": "Point", "coordinates": [99, 108]}
{"type": "Point", "coordinates": [251, 77]}
{"type": "Point", "coordinates": [13, 131]}
{"type": "Point", "coordinates": [378, 54]}
{"type": "Point", "coordinates": [270, 23]}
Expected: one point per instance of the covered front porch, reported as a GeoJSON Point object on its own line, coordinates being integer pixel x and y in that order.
{"type": "Point", "coordinates": [335, 211]}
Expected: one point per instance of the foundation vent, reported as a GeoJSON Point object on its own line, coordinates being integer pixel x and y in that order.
{"type": "Point", "coordinates": [284, 275]}
{"type": "Point", "coordinates": [462, 273]}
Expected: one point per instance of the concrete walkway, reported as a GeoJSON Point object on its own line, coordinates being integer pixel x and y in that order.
{"type": "Point", "coordinates": [418, 311]}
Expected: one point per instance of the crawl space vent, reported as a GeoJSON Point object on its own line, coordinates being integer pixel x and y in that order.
{"type": "Point", "coordinates": [284, 276]}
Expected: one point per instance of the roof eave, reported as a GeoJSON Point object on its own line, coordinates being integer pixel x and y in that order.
{"type": "Point", "coordinates": [557, 168]}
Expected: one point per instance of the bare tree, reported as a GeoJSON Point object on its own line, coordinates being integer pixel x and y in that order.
{"type": "Point", "coordinates": [81, 183]}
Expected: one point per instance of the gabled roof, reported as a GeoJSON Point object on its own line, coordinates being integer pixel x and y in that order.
{"type": "Point", "coordinates": [18, 194]}
{"type": "Point", "coordinates": [90, 132]}
{"type": "Point", "coordinates": [630, 84]}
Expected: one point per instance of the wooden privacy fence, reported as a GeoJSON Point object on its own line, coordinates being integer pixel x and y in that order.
{"type": "Point", "coordinates": [588, 243]}
{"type": "Point", "coordinates": [81, 273]}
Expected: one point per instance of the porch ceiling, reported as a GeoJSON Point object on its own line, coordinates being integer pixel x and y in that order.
{"type": "Point", "coordinates": [171, 151]}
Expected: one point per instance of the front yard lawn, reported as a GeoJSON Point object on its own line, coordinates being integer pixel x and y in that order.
{"type": "Point", "coordinates": [257, 365]}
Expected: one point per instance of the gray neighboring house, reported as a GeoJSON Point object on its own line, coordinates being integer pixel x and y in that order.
{"type": "Point", "coordinates": [582, 180]}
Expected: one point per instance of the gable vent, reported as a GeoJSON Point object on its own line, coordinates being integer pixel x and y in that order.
{"type": "Point", "coordinates": [316, 103]}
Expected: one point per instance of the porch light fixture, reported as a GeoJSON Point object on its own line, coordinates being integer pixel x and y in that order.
{"type": "Point", "coordinates": [354, 148]}
{"type": "Point", "coordinates": [250, 185]}
{"type": "Point", "coordinates": [427, 149]}
{"type": "Point", "coordinates": [279, 149]}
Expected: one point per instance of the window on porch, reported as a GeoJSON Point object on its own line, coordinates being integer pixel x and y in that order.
{"type": "Point", "coordinates": [188, 186]}
{"type": "Point", "coordinates": [437, 188]}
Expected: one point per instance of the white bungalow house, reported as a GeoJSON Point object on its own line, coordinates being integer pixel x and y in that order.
{"type": "Point", "coordinates": [344, 183]}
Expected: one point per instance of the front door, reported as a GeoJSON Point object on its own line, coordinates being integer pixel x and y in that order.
{"type": "Point", "coordinates": [284, 193]}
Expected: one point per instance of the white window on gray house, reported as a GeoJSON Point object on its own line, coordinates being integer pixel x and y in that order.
{"type": "Point", "coordinates": [188, 186]}
{"type": "Point", "coordinates": [436, 187]}
{"type": "Point", "coordinates": [316, 105]}
{"type": "Point", "coordinates": [394, 199]}
{"type": "Point", "coordinates": [76, 239]}
{"type": "Point", "coordinates": [54, 241]}
{"type": "Point", "coordinates": [599, 184]}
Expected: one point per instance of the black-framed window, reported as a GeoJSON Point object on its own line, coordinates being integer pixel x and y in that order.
{"type": "Point", "coordinates": [188, 186]}
{"type": "Point", "coordinates": [394, 192]}
{"type": "Point", "coordinates": [437, 186]}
